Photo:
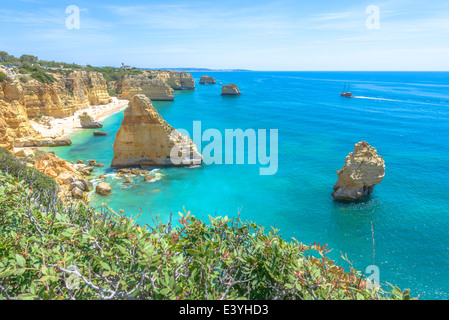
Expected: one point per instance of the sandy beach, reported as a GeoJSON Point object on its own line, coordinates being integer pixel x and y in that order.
{"type": "Point", "coordinates": [61, 127]}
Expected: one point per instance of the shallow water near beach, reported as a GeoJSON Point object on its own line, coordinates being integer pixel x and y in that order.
{"type": "Point", "coordinates": [405, 116]}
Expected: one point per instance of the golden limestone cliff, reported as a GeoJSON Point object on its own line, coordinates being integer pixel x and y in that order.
{"type": "Point", "coordinates": [155, 89]}
{"type": "Point", "coordinates": [146, 139]}
{"type": "Point", "coordinates": [230, 90]}
{"type": "Point", "coordinates": [363, 169]}
{"type": "Point", "coordinates": [156, 85]}
{"type": "Point", "coordinates": [14, 122]}
{"type": "Point", "coordinates": [176, 80]}
{"type": "Point", "coordinates": [27, 98]}
{"type": "Point", "coordinates": [207, 80]}
{"type": "Point", "coordinates": [71, 178]}
{"type": "Point", "coordinates": [66, 95]}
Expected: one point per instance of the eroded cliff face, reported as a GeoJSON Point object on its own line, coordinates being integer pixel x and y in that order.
{"type": "Point", "coordinates": [146, 139]}
{"type": "Point", "coordinates": [21, 101]}
{"type": "Point", "coordinates": [207, 80]}
{"type": "Point", "coordinates": [153, 88]}
{"type": "Point", "coordinates": [176, 80]}
{"type": "Point", "coordinates": [363, 169]}
{"type": "Point", "coordinates": [70, 177]}
{"type": "Point", "coordinates": [156, 85]}
{"type": "Point", "coordinates": [65, 96]}
{"type": "Point", "coordinates": [14, 122]}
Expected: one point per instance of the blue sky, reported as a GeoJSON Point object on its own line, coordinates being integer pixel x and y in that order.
{"type": "Point", "coordinates": [256, 35]}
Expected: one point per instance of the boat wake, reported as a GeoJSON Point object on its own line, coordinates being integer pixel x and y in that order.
{"type": "Point", "coordinates": [372, 98]}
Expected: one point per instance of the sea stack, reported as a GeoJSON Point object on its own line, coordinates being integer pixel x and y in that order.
{"type": "Point", "coordinates": [146, 139]}
{"type": "Point", "coordinates": [363, 169]}
{"type": "Point", "coordinates": [230, 90]}
{"type": "Point", "coordinates": [207, 80]}
{"type": "Point", "coordinates": [88, 122]}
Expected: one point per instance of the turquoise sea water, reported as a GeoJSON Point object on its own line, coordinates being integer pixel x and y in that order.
{"type": "Point", "coordinates": [404, 115]}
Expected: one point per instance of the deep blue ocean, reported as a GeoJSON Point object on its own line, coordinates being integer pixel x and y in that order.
{"type": "Point", "coordinates": [404, 115]}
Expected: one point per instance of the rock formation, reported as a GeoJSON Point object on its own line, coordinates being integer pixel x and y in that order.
{"type": "Point", "coordinates": [66, 95]}
{"type": "Point", "coordinates": [103, 188]}
{"type": "Point", "coordinates": [230, 90]}
{"type": "Point", "coordinates": [155, 84]}
{"type": "Point", "coordinates": [144, 138]}
{"type": "Point", "coordinates": [14, 122]}
{"type": "Point", "coordinates": [88, 122]}
{"type": "Point", "coordinates": [207, 80]}
{"type": "Point", "coordinates": [70, 179]}
{"type": "Point", "coordinates": [21, 100]}
{"type": "Point", "coordinates": [42, 142]}
{"type": "Point", "coordinates": [100, 133]}
{"type": "Point", "coordinates": [155, 89]}
{"type": "Point", "coordinates": [363, 169]}
{"type": "Point", "coordinates": [176, 80]}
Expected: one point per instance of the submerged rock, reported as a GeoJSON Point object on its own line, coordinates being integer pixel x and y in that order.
{"type": "Point", "coordinates": [149, 178]}
{"type": "Point", "coordinates": [88, 122]}
{"type": "Point", "coordinates": [94, 163]}
{"type": "Point", "coordinates": [145, 138]}
{"type": "Point", "coordinates": [207, 80]}
{"type": "Point", "coordinates": [363, 169]}
{"type": "Point", "coordinates": [100, 133]}
{"type": "Point", "coordinates": [230, 90]}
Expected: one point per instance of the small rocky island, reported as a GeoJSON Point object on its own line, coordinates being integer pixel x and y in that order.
{"type": "Point", "coordinates": [88, 122]}
{"type": "Point", "coordinates": [230, 90]}
{"type": "Point", "coordinates": [146, 139]}
{"type": "Point", "coordinates": [207, 80]}
{"type": "Point", "coordinates": [363, 169]}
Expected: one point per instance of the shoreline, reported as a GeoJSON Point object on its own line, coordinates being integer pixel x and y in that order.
{"type": "Point", "coordinates": [61, 127]}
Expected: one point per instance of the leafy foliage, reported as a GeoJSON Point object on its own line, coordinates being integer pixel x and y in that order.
{"type": "Point", "coordinates": [76, 252]}
{"type": "Point", "coordinates": [2, 76]}
{"type": "Point", "coordinates": [6, 58]}
{"type": "Point", "coordinates": [43, 186]}
{"type": "Point", "coordinates": [113, 74]}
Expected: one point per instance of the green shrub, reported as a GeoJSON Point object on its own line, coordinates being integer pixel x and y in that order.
{"type": "Point", "coordinates": [43, 186]}
{"type": "Point", "coordinates": [112, 92]}
{"type": "Point", "coordinates": [43, 77]}
{"type": "Point", "coordinates": [2, 77]}
{"type": "Point", "coordinates": [75, 252]}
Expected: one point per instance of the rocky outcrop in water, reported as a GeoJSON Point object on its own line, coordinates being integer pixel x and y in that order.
{"type": "Point", "coordinates": [363, 169]}
{"type": "Point", "coordinates": [207, 80]}
{"type": "Point", "coordinates": [103, 188]}
{"type": "Point", "coordinates": [230, 90]}
{"type": "Point", "coordinates": [146, 139]}
{"type": "Point", "coordinates": [42, 142]}
{"type": "Point", "coordinates": [88, 121]}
